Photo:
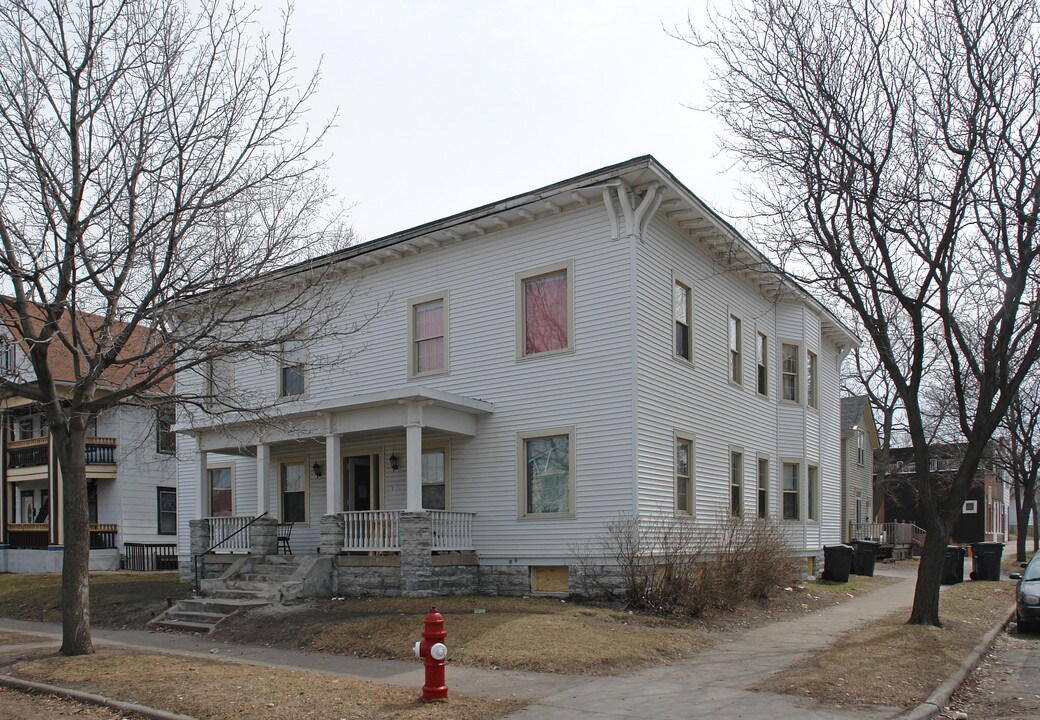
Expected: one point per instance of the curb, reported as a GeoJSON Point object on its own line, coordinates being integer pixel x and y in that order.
{"type": "Point", "coordinates": [940, 697]}
{"type": "Point", "coordinates": [28, 686]}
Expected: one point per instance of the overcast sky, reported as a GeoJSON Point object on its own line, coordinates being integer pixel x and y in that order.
{"type": "Point", "coordinates": [447, 105]}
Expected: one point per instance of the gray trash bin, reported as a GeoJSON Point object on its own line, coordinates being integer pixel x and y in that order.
{"type": "Point", "coordinates": [863, 557]}
{"type": "Point", "coordinates": [985, 560]}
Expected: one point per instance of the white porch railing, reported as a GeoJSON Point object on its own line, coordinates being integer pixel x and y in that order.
{"type": "Point", "coordinates": [378, 530]}
{"type": "Point", "coordinates": [452, 530]}
{"type": "Point", "coordinates": [371, 530]}
{"type": "Point", "coordinates": [221, 530]}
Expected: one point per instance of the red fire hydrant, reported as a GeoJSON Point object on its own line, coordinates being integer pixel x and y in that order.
{"type": "Point", "coordinates": [433, 651]}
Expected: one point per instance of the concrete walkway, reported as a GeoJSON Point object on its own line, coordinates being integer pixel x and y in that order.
{"type": "Point", "coordinates": [714, 684]}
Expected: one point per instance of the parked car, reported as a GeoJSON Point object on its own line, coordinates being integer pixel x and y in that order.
{"type": "Point", "coordinates": [1027, 596]}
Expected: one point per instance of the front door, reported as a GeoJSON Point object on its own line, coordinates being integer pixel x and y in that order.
{"type": "Point", "coordinates": [361, 482]}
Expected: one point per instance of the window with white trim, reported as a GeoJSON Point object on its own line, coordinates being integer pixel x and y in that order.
{"type": "Point", "coordinates": [165, 437]}
{"type": "Point", "coordinates": [812, 492]}
{"type": "Point", "coordinates": [166, 509]}
{"type": "Point", "coordinates": [221, 492]}
{"type": "Point", "coordinates": [546, 473]}
{"type": "Point", "coordinates": [294, 491]}
{"type": "Point", "coordinates": [683, 475]}
{"type": "Point", "coordinates": [736, 351]}
{"type": "Point", "coordinates": [789, 371]}
{"type": "Point", "coordinates": [762, 363]}
{"type": "Point", "coordinates": [859, 447]}
{"type": "Point", "coordinates": [736, 483]}
{"type": "Point", "coordinates": [791, 497]}
{"type": "Point", "coordinates": [435, 479]}
{"type": "Point", "coordinates": [763, 487]}
{"type": "Point", "coordinates": [8, 356]}
{"type": "Point", "coordinates": [292, 373]}
{"type": "Point", "coordinates": [545, 304]}
{"type": "Point", "coordinates": [681, 310]}
{"type": "Point", "coordinates": [428, 332]}
{"type": "Point", "coordinates": [812, 380]}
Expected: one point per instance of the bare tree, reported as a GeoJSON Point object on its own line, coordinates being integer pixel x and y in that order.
{"type": "Point", "coordinates": [155, 164]}
{"type": "Point", "coordinates": [897, 142]}
{"type": "Point", "coordinates": [1020, 457]}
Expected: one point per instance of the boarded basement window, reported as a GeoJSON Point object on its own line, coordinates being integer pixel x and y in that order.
{"type": "Point", "coordinates": [550, 578]}
{"type": "Point", "coordinates": [810, 565]}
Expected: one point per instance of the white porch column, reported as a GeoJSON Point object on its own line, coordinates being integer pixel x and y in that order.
{"type": "Point", "coordinates": [333, 475]}
{"type": "Point", "coordinates": [413, 457]}
{"type": "Point", "coordinates": [202, 470]}
{"type": "Point", "coordinates": [263, 473]}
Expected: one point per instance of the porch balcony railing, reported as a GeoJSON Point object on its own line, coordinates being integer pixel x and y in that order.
{"type": "Point", "coordinates": [223, 535]}
{"type": "Point", "coordinates": [36, 536]}
{"type": "Point", "coordinates": [377, 531]}
{"type": "Point", "coordinates": [452, 530]}
{"type": "Point", "coordinates": [893, 533]}
{"type": "Point", "coordinates": [371, 531]}
{"type": "Point", "coordinates": [33, 452]}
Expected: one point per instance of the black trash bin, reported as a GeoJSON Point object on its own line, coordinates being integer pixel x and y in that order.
{"type": "Point", "coordinates": [953, 565]}
{"type": "Point", "coordinates": [863, 557]}
{"type": "Point", "coordinates": [985, 560]}
{"type": "Point", "coordinates": [837, 561]}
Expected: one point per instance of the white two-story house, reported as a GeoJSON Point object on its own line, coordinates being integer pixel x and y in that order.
{"type": "Point", "coordinates": [603, 346]}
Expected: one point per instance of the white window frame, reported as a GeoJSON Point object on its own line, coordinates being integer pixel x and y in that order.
{"type": "Point", "coordinates": [230, 467]}
{"type": "Point", "coordinates": [971, 507]}
{"type": "Point", "coordinates": [797, 374]}
{"type": "Point", "coordinates": [798, 489]}
{"type": "Point", "coordinates": [291, 355]}
{"type": "Point", "coordinates": [413, 357]}
{"type": "Point", "coordinates": [812, 493]}
{"type": "Point", "coordinates": [304, 462]}
{"type": "Point", "coordinates": [164, 423]}
{"type": "Point", "coordinates": [691, 485]}
{"type": "Point", "coordinates": [680, 282]}
{"type": "Point", "coordinates": [522, 439]}
{"type": "Point", "coordinates": [860, 442]}
{"type": "Point", "coordinates": [812, 379]}
{"type": "Point", "coordinates": [736, 484]}
{"type": "Point", "coordinates": [521, 315]}
{"type": "Point", "coordinates": [762, 482]}
{"type": "Point", "coordinates": [735, 356]}
{"type": "Point", "coordinates": [8, 355]}
{"type": "Point", "coordinates": [761, 364]}
{"type": "Point", "coordinates": [445, 448]}
{"type": "Point", "coordinates": [160, 490]}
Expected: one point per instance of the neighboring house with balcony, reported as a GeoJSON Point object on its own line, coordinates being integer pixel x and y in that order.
{"type": "Point", "coordinates": [859, 440]}
{"type": "Point", "coordinates": [605, 346]}
{"type": "Point", "coordinates": [131, 477]}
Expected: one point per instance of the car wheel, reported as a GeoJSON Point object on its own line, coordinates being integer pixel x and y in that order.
{"type": "Point", "coordinates": [1024, 627]}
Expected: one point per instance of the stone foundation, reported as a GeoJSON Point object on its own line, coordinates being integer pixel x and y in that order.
{"type": "Point", "coordinates": [383, 576]}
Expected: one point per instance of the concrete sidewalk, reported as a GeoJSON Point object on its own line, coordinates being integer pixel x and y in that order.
{"type": "Point", "coordinates": [716, 683]}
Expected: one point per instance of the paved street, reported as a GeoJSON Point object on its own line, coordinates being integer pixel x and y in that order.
{"type": "Point", "coordinates": [1006, 685]}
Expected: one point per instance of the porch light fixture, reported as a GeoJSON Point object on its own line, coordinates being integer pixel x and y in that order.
{"type": "Point", "coordinates": [394, 464]}
{"type": "Point", "coordinates": [316, 468]}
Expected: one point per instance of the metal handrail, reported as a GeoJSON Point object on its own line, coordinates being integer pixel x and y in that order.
{"type": "Point", "coordinates": [195, 558]}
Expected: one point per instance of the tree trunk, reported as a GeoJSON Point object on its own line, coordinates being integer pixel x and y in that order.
{"type": "Point", "coordinates": [929, 575]}
{"type": "Point", "coordinates": [1036, 528]}
{"type": "Point", "coordinates": [1024, 511]}
{"type": "Point", "coordinates": [75, 581]}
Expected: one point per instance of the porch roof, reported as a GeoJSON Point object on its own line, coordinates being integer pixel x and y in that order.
{"type": "Point", "coordinates": [309, 418]}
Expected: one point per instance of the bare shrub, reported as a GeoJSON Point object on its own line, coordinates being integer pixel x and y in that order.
{"type": "Point", "coordinates": [669, 565]}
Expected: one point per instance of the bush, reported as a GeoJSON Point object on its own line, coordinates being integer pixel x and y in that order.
{"type": "Point", "coordinates": [670, 565]}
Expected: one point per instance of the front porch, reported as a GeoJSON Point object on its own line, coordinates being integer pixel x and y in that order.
{"type": "Point", "coordinates": [379, 552]}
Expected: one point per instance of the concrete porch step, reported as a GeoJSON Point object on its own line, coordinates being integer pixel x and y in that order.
{"type": "Point", "coordinates": [223, 606]}
{"type": "Point", "coordinates": [280, 569]}
{"type": "Point", "coordinates": [203, 614]}
{"type": "Point", "coordinates": [184, 625]}
{"type": "Point", "coordinates": [196, 616]}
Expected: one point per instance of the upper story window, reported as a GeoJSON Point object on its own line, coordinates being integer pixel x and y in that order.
{"type": "Point", "coordinates": [859, 447]}
{"type": "Point", "coordinates": [547, 477]}
{"type": "Point", "coordinates": [293, 373]}
{"type": "Point", "coordinates": [8, 356]}
{"type": "Point", "coordinates": [683, 476]}
{"type": "Point", "coordinates": [681, 312]}
{"type": "Point", "coordinates": [812, 384]}
{"type": "Point", "coordinates": [762, 363]}
{"type": "Point", "coordinates": [165, 437]}
{"type": "Point", "coordinates": [428, 331]}
{"type": "Point", "coordinates": [789, 371]}
{"type": "Point", "coordinates": [736, 350]}
{"type": "Point", "coordinates": [545, 309]}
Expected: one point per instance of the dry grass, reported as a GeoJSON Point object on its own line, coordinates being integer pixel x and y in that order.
{"type": "Point", "coordinates": [16, 638]}
{"type": "Point", "coordinates": [123, 599]}
{"type": "Point", "coordinates": [215, 690]}
{"type": "Point", "coordinates": [15, 705]}
{"type": "Point", "coordinates": [888, 662]}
